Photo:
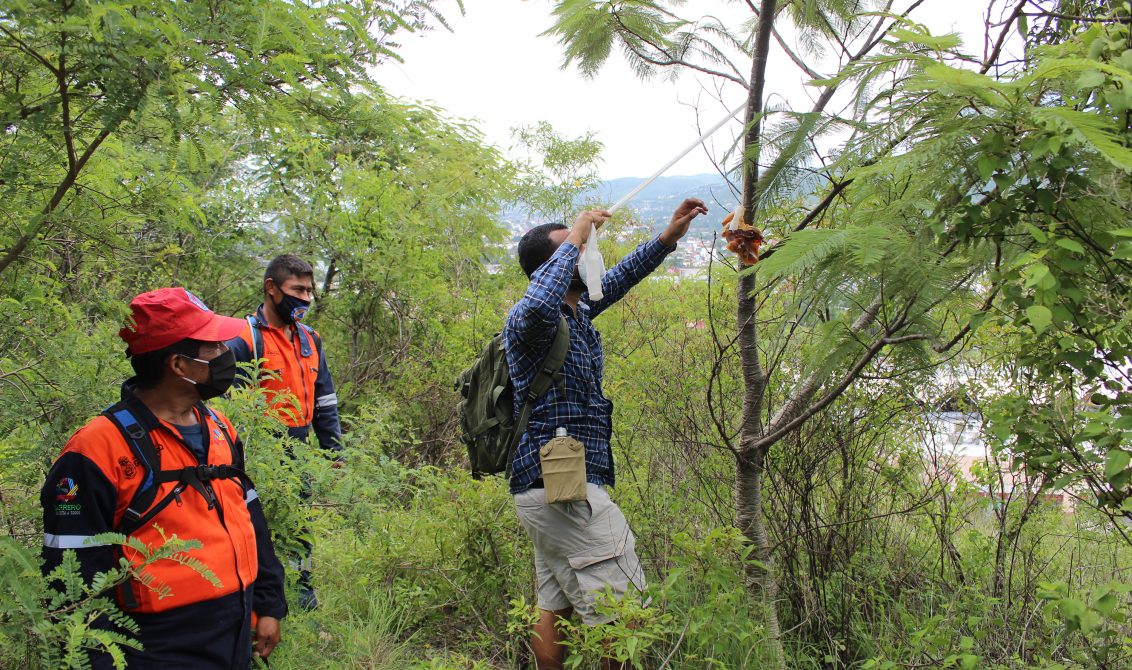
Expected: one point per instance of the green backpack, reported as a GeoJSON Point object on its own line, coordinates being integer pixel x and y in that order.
{"type": "Point", "coordinates": [487, 404]}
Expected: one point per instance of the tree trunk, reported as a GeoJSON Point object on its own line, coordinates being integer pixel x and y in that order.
{"type": "Point", "coordinates": [750, 518]}
{"type": "Point", "coordinates": [761, 576]}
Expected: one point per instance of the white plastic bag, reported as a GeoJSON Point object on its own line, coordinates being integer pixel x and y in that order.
{"type": "Point", "coordinates": [593, 266]}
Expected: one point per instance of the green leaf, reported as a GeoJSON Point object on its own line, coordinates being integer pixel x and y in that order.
{"type": "Point", "coordinates": [1072, 245]}
{"type": "Point", "coordinates": [1036, 233]}
{"type": "Point", "coordinates": [1071, 608]}
{"type": "Point", "coordinates": [804, 249]}
{"type": "Point", "coordinates": [1125, 60]}
{"type": "Point", "coordinates": [1040, 317]}
{"type": "Point", "coordinates": [1090, 79]}
{"type": "Point", "coordinates": [1116, 462]}
{"type": "Point", "coordinates": [1093, 130]}
{"type": "Point", "coordinates": [1106, 603]}
{"type": "Point", "coordinates": [938, 42]}
{"type": "Point", "coordinates": [986, 166]}
{"type": "Point", "coordinates": [1038, 275]}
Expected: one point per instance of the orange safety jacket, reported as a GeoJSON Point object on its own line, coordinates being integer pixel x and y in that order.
{"type": "Point", "coordinates": [94, 481]}
{"type": "Point", "coordinates": [299, 385]}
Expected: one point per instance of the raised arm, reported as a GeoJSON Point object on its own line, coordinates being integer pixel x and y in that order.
{"type": "Point", "coordinates": [629, 272]}
{"type": "Point", "coordinates": [646, 258]}
{"type": "Point", "coordinates": [532, 322]}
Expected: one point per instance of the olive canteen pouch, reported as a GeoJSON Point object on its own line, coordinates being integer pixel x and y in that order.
{"type": "Point", "coordinates": [563, 469]}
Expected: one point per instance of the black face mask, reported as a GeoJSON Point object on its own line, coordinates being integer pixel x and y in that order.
{"type": "Point", "coordinates": [221, 374]}
{"type": "Point", "coordinates": [291, 309]}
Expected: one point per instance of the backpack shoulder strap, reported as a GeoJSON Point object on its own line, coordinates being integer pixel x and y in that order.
{"type": "Point", "coordinates": [237, 454]}
{"type": "Point", "coordinates": [307, 336]}
{"type": "Point", "coordinates": [547, 374]}
{"type": "Point", "coordinates": [257, 336]}
{"type": "Point", "coordinates": [552, 364]}
{"type": "Point", "coordinates": [236, 471]}
{"type": "Point", "coordinates": [310, 332]}
{"type": "Point", "coordinates": [141, 444]}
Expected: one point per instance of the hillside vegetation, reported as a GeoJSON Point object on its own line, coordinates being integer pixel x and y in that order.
{"type": "Point", "coordinates": [956, 236]}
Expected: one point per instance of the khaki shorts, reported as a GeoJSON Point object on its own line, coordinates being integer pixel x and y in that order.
{"type": "Point", "coordinates": [581, 549]}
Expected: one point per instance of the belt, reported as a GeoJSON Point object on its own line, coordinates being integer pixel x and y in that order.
{"type": "Point", "coordinates": [537, 484]}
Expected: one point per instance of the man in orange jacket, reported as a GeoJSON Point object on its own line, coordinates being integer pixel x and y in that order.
{"type": "Point", "coordinates": [300, 388]}
{"type": "Point", "coordinates": [162, 462]}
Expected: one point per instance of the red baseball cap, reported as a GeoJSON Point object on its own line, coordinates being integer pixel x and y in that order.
{"type": "Point", "coordinates": [168, 315]}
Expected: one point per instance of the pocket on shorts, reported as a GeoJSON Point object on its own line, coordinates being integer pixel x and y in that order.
{"type": "Point", "coordinates": [605, 567]}
{"type": "Point", "coordinates": [591, 556]}
{"type": "Point", "coordinates": [581, 510]}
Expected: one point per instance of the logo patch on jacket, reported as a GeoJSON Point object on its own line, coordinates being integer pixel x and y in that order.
{"type": "Point", "coordinates": [65, 493]}
{"type": "Point", "coordinates": [129, 466]}
{"type": "Point", "coordinates": [66, 490]}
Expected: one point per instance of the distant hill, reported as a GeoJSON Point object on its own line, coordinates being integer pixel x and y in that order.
{"type": "Point", "coordinates": [711, 187]}
{"type": "Point", "coordinates": [654, 205]}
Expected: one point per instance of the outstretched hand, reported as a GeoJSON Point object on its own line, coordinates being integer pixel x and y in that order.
{"type": "Point", "coordinates": [681, 219]}
{"type": "Point", "coordinates": [580, 233]}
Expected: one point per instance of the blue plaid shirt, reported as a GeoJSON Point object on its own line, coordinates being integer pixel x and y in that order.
{"type": "Point", "coordinates": [580, 407]}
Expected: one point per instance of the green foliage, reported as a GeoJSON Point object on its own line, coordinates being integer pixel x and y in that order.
{"type": "Point", "coordinates": [981, 224]}
{"type": "Point", "coordinates": [557, 172]}
{"type": "Point", "coordinates": [57, 617]}
{"type": "Point", "coordinates": [1098, 621]}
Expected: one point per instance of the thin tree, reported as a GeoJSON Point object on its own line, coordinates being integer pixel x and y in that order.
{"type": "Point", "coordinates": [874, 316]}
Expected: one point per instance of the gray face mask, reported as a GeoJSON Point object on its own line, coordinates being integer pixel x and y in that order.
{"type": "Point", "coordinates": [221, 374]}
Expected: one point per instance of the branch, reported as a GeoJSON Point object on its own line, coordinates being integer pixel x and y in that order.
{"type": "Point", "coordinates": [792, 411]}
{"type": "Point", "coordinates": [30, 51]}
{"type": "Point", "coordinates": [672, 60]}
{"type": "Point", "coordinates": [942, 348]}
{"type": "Point", "coordinates": [754, 375]}
{"type": "Point", "coordinates": [752, 120]}
{"type": "Point", "coordinates": [901, 339]}
{"type": "Point", "coordinates": [993, 56]}
{"type": "Point", "coordinates": [65, 104]}
{"type": "Point", "coordinates": [870, 353]}
{"type": "Point", "coordinates": [60, 191]}
{"type": "Point", "coordinates": [1080, 19]}
{"type": "Point", "coordinates": [875, 38]}
{"type": "Point", "coordinates": [815, 212]}
{"type": "Point", "coordinates": [849, 522]}
{"type": "Point", "coordinates": [814, 74]}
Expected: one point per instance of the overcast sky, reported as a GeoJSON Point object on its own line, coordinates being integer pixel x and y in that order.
{"type": "Point", "coordinates": [495, 69]}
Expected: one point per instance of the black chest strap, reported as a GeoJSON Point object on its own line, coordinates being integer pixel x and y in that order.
{"type": "Point", "coordinates": [142, 507]}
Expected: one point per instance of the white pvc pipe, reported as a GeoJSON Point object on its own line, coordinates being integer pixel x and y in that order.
{"type": "Point", "coordinates": [593, 266]}
{"type": "Point", "coordinates": [708, 133]}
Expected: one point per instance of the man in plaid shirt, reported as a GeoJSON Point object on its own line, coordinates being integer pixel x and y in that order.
{"type": "Point", "coordinates": [581, 548]}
